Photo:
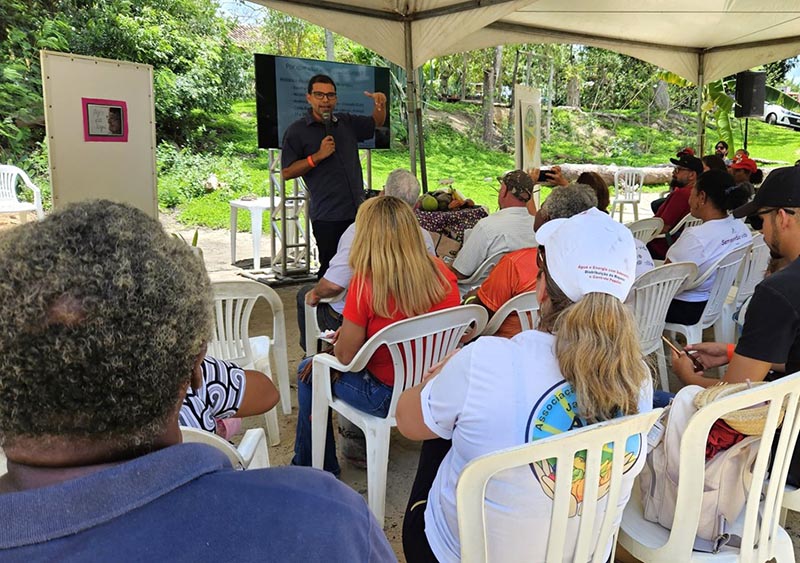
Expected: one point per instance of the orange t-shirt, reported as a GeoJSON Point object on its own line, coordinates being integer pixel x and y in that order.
{"type": "Point", "coordinates": [515, 273]}
{"type": "Point", "coordinates": [361, 313]}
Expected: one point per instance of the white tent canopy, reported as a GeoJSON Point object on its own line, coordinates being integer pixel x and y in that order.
{"type": "Point", "coordinates": [701, 40]}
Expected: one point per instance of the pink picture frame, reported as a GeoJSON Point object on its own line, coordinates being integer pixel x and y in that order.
{"type": "Point", "coordinates": [104, 121]}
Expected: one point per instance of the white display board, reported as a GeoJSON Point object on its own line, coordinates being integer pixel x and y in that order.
{"type": "Point", "coordinates": [527, 125]}
{"type": "Point", "coordinates": [101, 135]}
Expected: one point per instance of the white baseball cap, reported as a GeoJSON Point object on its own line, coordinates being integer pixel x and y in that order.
{"type": "Point", "coordinates": [589, 253]}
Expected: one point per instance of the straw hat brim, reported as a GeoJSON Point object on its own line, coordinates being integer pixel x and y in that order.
{"type": "Point", "coordinates": [749, 421]}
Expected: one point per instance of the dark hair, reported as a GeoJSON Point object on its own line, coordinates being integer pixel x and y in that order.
{"type": "Point", "coordinates": [596, 182]}
{"type": "Point", "coordinates": [757, 177]}
{"type": "Point", "coordinates": [715, 162]}
{"type": "Point", "coordinates": [722, 190]}
{"type": "Point", "coordinates": [321, 79]}
{"type": "Point", "coordinates": [103, 346]}
{"type": "Point", "coordinates": [723, 143]}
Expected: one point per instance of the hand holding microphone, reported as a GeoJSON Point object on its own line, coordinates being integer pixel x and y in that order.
{"type": "Point", "coordinates": [328, 145]}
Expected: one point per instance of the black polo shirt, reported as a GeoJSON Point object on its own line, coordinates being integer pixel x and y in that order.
{"type": "Point", "coordinates": [336, 185]}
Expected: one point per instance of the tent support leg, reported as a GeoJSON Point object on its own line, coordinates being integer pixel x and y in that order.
{"type": "Point", "coordinates": [701, 125]}
{"type": "Point", "coordinates": [411, 101]}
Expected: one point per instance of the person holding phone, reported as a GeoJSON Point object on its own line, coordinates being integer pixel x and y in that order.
{"type": "Point", "coordinates": [510, 228]}
{"type": "Point", "coordinates": [322, 147]}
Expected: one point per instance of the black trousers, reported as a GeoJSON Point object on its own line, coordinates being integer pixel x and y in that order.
{"type": "Point", "coordinates": [327, 235]}
{"type": "Point", "coordinates": [685, 312]}
{"type": "Point", "coordinates": [415, 543]}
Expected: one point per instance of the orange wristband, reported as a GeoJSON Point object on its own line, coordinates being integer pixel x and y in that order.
{"type": "Point", "coordinates": [731, 348]}
{"type": "Point", "coordinates": [310, 161]}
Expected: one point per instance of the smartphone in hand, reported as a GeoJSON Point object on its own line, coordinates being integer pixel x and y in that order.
{"type": "Point", "coordinates": [697, 365]}
{"type": "Point", "coordinates": [543, 175]}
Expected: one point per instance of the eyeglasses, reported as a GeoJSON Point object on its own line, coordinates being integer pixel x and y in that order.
{"type": "Point", "coordinates": [719, 148]}
{"type": "Point", "coordinates": [324, 95]}
{"type": "Point", "coordinates": [757, 221]}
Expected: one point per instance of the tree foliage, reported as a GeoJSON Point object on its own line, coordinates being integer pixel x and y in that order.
{"type": "Point", "coordinates": [196, 66]}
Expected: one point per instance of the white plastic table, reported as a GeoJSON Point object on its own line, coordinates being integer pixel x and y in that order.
{"type": "Point", "coordinates": [256, 208]}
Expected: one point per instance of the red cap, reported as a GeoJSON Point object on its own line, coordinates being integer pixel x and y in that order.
{"type": "Point", "coordinates": [686, 150]}
{"type": "Point", "coordinates": [745, 163]}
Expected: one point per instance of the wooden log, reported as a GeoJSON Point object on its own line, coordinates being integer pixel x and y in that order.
{"type": "Point", "coordinates": [652, 174]}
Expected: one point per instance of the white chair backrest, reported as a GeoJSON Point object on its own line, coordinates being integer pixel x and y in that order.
{"type": "Point", "coordinates": [628, 183]}
{"type": "Point", "coordinates": [725, 270]}
{"type": "Point", "coordinates": [8, 182]}
{"type": "Point", "coordinates": [760, 522]}
{"type": "Point", "coordinates": [483, 270]}
{"type": "Point", "coordinates": [417, 343]}
{"type": "Point", "coordinates": [525, 306]}
{"type": "Point", "coordinates": [197, 436]}
{"type": "Point", "coordinates": [233, 305]}
{"type": "Point", "coordinates": [646, 229]}
{"type": "Point", "coordinates": [650, 297]}
{"type": "Point", "coordinates": [688, 220]}
{"type": "Point", "coordinates": [3, 461]}
{"type": "Point", "coordinates": [597, 440]}
{"type": "Point", "coordinates": [753, 269]}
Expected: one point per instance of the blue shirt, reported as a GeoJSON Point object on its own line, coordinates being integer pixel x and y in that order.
{"type": "Point", "coordinates": [336, 184]}
{"type": "Point", "coordinates": [186, 503]}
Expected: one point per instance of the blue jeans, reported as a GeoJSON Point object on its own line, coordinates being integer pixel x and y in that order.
{"type": "Point", "coordinates": [358, 389]}
{"type": "Point", "coordinates": [662, 398]}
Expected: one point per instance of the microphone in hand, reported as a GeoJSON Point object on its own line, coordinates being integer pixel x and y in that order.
{"type": "Point", "coordinates": [326, 120]}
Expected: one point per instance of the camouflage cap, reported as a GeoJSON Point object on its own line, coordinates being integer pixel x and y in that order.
{"type": "Point", "coordinates": [519, 183]}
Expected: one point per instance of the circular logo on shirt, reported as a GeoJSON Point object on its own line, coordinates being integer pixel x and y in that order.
{"type": "Point", "coordinates": [557, 412]}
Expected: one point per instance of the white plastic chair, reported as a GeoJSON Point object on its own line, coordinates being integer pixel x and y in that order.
{"type": "Point", "coordinates": [252, 451]}
{"type": "Point", "coordinates": [628, 183]}
{"type": "Point", "coordinates": [762, 537]}
{"type": "Point", "coordinates": [3, 468]}
{"type": "Point", "coordinates": [688, 221]}
{"type": "Point", "coordinates": [312, 325]}
{"type": "Point", "coordinates": [9, 202]}
{"type": "Point", "coordinates": [415, 344]}
{"type": "Point", "coordinates": [725, 270]}
{"type": "Point", "coordinates": [650, 297]}
{"type": "Point", "coordinates": [233, 305]}
{"type": "Point", "coordinates": [468, 284]}
{"type": "Point", "coordinates": [524, 305]}
{"type": "Point", "coordinates": [588, 545]}
{"type": "Point", "coordinates": [646, 229]}
{"type": "Point", "coordinates": [751, 272]}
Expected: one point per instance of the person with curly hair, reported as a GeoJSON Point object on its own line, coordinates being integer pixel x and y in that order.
{"type": "Point", "coordinates": [104, 320]}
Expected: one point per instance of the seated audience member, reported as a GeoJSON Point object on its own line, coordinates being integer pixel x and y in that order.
{"type": "Point", "coordinates": [745, 171]}
{"type": "Point", "coordinates": [401, 184]}
{"type": "Point", "coordinates": [713, 162]}
{"type": "Point", "coordinates": [584, 357]}
{"type": "Point", "coordinates": [657, 203]}
{"type": "Point", "coordinates": [676, 205]}
{"type": "Point", "coordinates": [394, 278]}
{"type": "Point", "coordinates": [591, 179]}
{"type": "Point", "coordinates": [104, 319]}
{"type": "Point", "coordinates": [769, 346]}
{"type": "Point", "coordinates": [516, 272]}
{"type": "Point", "coordinates": [714, 195]}
{"type": "Point", "coordinates": [721, 151]}
{"type": "Point", "coordinates": [511, 228]}
{"type": "Point", "coordinates": [224, 391]}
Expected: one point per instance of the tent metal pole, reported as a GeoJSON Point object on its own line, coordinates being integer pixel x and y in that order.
{"type": "Point", "coordinates": [411, 100]}
{"type": "Point", "coordinates": [701, 126]}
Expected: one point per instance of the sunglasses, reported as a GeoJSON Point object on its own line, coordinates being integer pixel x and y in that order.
{"type": "Point", "coordinates": [323, 95]}
{"type": "Point", "coordinates": [757, 221]}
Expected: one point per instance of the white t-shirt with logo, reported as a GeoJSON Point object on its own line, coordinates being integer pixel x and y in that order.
{"type": "Point", "coordinates": [704, 244]}
{"type": "Point", "coordinates": [498, 393]}
{"type": "Point", "coordinates": [644, 262]}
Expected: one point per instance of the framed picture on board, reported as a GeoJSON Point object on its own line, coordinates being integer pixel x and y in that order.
{"type": "Point", "coordinates": [104, 121]}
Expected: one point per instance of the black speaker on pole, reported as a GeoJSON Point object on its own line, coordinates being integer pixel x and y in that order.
{"type": "Point", "coordinates": [750, 94]}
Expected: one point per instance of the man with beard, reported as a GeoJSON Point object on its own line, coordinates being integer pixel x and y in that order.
{"type": "Point", "coordinates": [322, 147]}
{"type": "Point", "coordinates": [769, 347]}
{"type": "Point", "coordinates": [687, 168]}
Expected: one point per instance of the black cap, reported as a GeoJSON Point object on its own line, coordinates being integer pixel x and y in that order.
{"type": "Point", "coordinates": [780, 189]}
{"type": "Point", "coordinates": [689, 161]}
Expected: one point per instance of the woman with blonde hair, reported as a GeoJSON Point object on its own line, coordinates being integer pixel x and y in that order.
{"type": "Point", "coordinates": [394, 278]}
{"type": "Point", "coordinates": [583, 365]}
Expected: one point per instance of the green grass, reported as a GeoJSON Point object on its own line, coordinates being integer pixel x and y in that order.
{"type": "Point", "coordinates": [624, 138]}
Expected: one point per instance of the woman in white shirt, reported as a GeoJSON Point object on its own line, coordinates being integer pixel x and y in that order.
{"type": "Point", "coordinates": [581, 366]}
{"type": "Point", "coordinates": [713, 196]}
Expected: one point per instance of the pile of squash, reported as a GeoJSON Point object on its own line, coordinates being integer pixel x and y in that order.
{"type": "Point", "coordinates": [444, 199]}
